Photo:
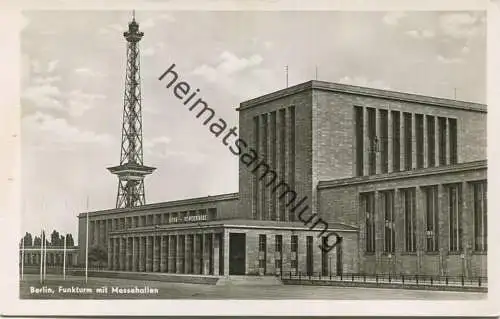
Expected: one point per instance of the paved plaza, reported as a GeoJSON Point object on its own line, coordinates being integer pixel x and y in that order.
{"type": "Point", "coordinates": [75, 288]}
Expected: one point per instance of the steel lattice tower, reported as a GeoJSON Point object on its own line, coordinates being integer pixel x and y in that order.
{"type": "Point", "coordinates": [131, 171]}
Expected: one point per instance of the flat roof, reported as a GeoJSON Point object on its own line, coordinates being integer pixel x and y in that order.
{"type": "Point", "coordinates": [364, 91]}
{"type": "Point", "coordinates": [238, 223]}
{"type": "Point", "coordinates": [461, 167]}
{"type": "Point", "coordinates": [175, 203]}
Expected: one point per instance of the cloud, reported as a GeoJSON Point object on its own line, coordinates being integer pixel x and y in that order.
{"type": "Point", "coordinates": [51, 66]}
{"type": "Point", "coordinates": [44, 96]}
{"type": "Point", "coordinates": [160, 141]}
{"type": "Point", "coordinates": [161, 147]}
{"type": "Point", "coordinates": [44, 129]}
{"type": "Point", "coordinates": [465, 50]}
{"type": "Point", "coordinates": [25, 22]}
{"type": "Point", "coordinates": [88, 72]}
{"type": "Point", "coordinates": [41, 80]}
{"type": "Point", "coordinates": [79, 102]}
{"type": "Point", "coordinates": [446, 60]}
{"type": "Point", "coordinates": [461, 25]}
{"type": "Point", "coordinates": [365, 82]}
{"type": "Point", "coordinates": [421, 34]}
{"type": "Point", "coordinates": [393, 17]}
{"type": "Point", "coordinates": [39, 67]}
{"type": "Point", "coordinates": [113, 28]}
{"type": "Point", "coordinates": [229, 64]}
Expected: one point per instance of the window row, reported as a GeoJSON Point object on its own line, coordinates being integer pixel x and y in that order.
{"type": "Point", "coordinates": [425, 136]}
{"type": "Point", "coordinates": [431, 213]}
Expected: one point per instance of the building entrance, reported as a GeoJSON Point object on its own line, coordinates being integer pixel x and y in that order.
{"type": "Point", "coordinates": [237, 252]}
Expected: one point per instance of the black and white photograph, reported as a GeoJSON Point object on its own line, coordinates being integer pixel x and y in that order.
{"type": "Point", "coordinates": [253, 155]}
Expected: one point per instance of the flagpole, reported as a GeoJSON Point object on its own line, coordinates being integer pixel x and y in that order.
{"type": "Point", "coordinates": [22, 260]}
{"type": "Point", "coordinates": [41, 257]}
{"type": "Point", "coordinates": [44, 257]}
{"type": "Point", "coordinates": [87, 244]}
{"type": "Point", "coordinates": [64, 258]}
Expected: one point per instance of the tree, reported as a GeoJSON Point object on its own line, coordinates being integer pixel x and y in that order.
{"type": "Point", "coordinates": [37, 241]}
{"type": "Point", "coordinates": [98, 255]}
{"type": "Point", "coordinates": [54, 238]}
{"type": "Point", "coordinates": [28, 240]}
{"type": "Point", "coordinates": [70, 242]}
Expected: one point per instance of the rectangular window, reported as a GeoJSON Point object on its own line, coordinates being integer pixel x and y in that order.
{"type": "Point", "coordinates": [368, 204]}
{"type": "Point", "coordinates": [480, 217]}
{"type": "Point", "coordinates": [309, 255]}
{"type": "Point", "coordinates": [455, 217]}
{"type": "Point", "coordinates": [262, 243]}
{"type": "Point", "coordinates": [419, 132]}
{"type": "Point", "coordinates": [324, 257]}
{"type": "Point", "coordinates": [372, 138]}
{"type": "Point", "coordinates": [390, 222]}
{"type": "Point", "coordinates": [453, 141]}
{"type": "Point", "coordinates": [278, 244]}
{"type": "Point", "coordinates": [431, 141]}
{"type": "Point", "coordinates": [410, 220]}
{"type": "Point", "coordinates": [384, 141]}
{"type": "Point", "coordinates": [396, 138]}
{"type": "Point", "coordinates": [408, 140]}
{"type": "Point", "coordinates": [359, 135]}
{"type": "Point", "coordinates": [294, 243]}
{"type": "Point", "coordinates": [432, 218]}
{"type": "Point", "coordinates": [442, 140]}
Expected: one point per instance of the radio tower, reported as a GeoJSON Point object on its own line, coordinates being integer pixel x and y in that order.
{"type": "Point", "coordinates": [131, 171]}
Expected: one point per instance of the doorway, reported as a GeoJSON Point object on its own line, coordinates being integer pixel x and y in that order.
{"type": "Point", "coordinates": [237, 253]}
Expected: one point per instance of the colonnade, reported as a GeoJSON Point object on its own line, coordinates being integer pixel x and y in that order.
{"type": "Point", "coordinates": [194, 253]}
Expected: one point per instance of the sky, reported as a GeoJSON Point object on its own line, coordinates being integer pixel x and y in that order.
{"type": "Point", "coordinates": [73, 70]}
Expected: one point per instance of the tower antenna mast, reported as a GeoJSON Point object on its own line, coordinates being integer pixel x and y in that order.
{"type": "Point", "coordinates": [131, 171]}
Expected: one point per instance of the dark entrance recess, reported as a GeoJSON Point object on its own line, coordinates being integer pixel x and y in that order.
{"type": "Point", "coordinates": [339, 260]}
{"type": "Point", "coordinates": [237, 252]}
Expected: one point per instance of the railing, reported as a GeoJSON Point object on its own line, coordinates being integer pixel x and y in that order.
{"type": "Point", "coordinates": [401, 279]}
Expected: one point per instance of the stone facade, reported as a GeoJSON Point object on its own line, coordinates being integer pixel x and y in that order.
{"type": "Point", "coordinates": [331, 143]}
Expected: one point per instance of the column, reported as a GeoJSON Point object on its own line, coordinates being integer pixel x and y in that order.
{"type": "Point", "coordinates": [149, 253]}
{"type": "Point", "coordinates": [188, 254]}
{"type": "Point", "coordinates": [123, 247]}
{"type": "Point", "coordinates": [426, 142]}
{"type": "Point", "coordinates": [196, 254]}
{"type": "Point", "coordinates": [448, 144]}
{"type": "Point", "coordinates": [225, 251]}
{"type": "Point", "coordinates": [110, 254]}
{"type": "Point", "coordinates": [179, 256]}
{"type": "Point", "coordinates": [399, 239]}
{"type": "Point", "coordinates": [379, 231]}
{"type": "Point", "coordinates": [467, 225]}
{"type": "Point", "coordinates": [216, 248]}
{"type": "Point", "coordinates": [206, 254]}
{"type": "Point", "coordinates": [420, 208]}
{"type": "Point", "coordinates": [402, 137]}
{"type": "Point", "coordinates": [156, 253]}
{"type": "Point", "coordinates": [286, 158]}
{"type": "Point", "coordinates": [91, 233]}
{"type": "Point", "coordinates": [135, 253]}
{"type": "Point", "coordinates": [378, 134]}
{"type": "Point", "coordinates": [286, 251]}
{"type": "Point", "coordinates": [102, 233]}
{"type": "Point", "coordinates": [444, 233]}
{"type": "Point", "coordinates": [172, 248]}
{"type": "Point", "coordinates": [437, 146]}
{"type": "Point", "coordinates": [142, 253]}
{"type": "Point", "coordinates": [163, 253]}
{"type": "Point", "coordinates": [413, 141]}
{"type": "Point", "coordinates": [390, 143]}
{"type": "Point", "coordinates": [129, 259]}
{"type": "Point", "coordinates": [270, 248]}
{"type": "Point", "coordinates": [116, 254]}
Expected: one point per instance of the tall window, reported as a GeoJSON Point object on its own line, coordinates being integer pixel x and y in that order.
{"type": "Point", "coordinates": [455, 217]}
{"type": "Point", "coordinates": [442, 140]}
{"type": "Point", "coordinates": [294, 247]}
{"type": "Point", "coordinates": [372, 137]}
{"type": "Point", "coordinates": [480, 217]}
{"type": "Point", "coordinates": [410, 220]}
{"type": "Point", "coordinates": [255, 181]}
{"type": "Point", "coordinates": [368, 202]}
{"type": "Point", "coordinates": [396, 137]}
{"type": "Point", "coordinates": [309, 255]}
{"type": "Point", "coordinates": [262, 252]}
{"type": "Point", "coordinates": [432, 218]}
{"type": "Point", "coordinates": [453, 141]}
{"type": "Point", "coordinates": [384, 142]}
{"type": "Point", "coordinates": [431, 142]}
{"type": "Point", "coordinates": [408, 140]}
{"type": "Point", "coordinates": [390, 223]}
{"type": "Point", "coordinates": [358, 126]}
{"type": "Point", "coordinates": [294, 243]}
{"type": "Point", "coordinates": [278, 243]}
{"type": "Point", "coordinates": [324, 257]}
{"type": "Point", "coordinates": [419, 132]}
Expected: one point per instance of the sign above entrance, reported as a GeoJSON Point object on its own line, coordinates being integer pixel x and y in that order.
{"type": "Point", "coordinates": [188, 219]}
